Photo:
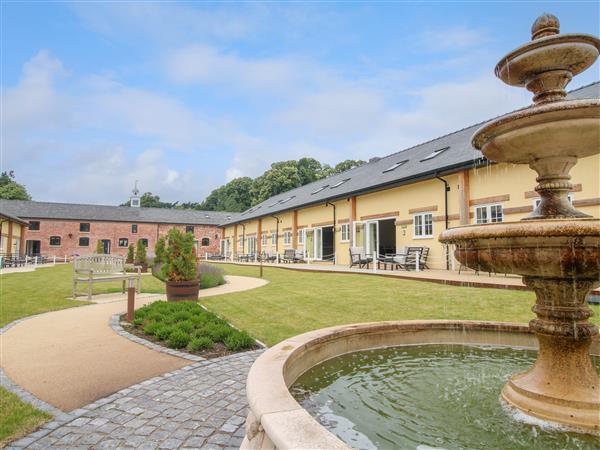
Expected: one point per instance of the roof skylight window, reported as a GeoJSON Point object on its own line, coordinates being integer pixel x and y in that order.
{"type": "Point", "coordinates": [395, 166]}
{"type": "Point", "coordinates": [287, 199]}
{"type": "Point", "coordinates": [435, 153]}
{"type": "Point", "coordinates": [319, 189]}
{"type": "Point", "coordinates": [339, 183]}
{"type": "Point", "coordinates": [276, 203]}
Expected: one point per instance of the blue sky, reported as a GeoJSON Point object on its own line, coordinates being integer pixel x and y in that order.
{"type": "Point", "coordinates": [185, 96]}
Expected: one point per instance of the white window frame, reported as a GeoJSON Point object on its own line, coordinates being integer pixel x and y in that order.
{"type": "Point", "coordinates": [263, 238]}
{"type": "Point", "coordinates": [488, 213]}
{"type": "Point", "coordinates": [287, 238]}
{"type": "Point", "coordinates": [273, 238]}
{"type": "Point", "coordinates": [345, 232]}
{"type": "Point", "coordinates": [301, 236]}
{"type": "Point", "coordinates": [423, 224]}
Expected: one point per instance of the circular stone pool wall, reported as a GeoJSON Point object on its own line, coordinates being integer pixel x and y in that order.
{"type": "Point", "coordinates": [277, 421]}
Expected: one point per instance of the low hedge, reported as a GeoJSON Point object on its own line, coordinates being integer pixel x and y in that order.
{"type": "Point", "coordinates": [187, 325]}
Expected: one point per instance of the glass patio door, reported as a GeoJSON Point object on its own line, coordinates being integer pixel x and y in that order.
{"type": "Point", "coordinates": [309, 242]}
{"type": "Point", "coordinates": [318, 243]}
{"type": "Point", "coordinates": [372, 235]}
{"type": "Point", "coordinates": [359, 235]}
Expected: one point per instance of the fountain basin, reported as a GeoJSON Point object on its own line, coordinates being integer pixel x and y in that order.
{"type": "Point", "coordinates": [276, 420]}
{"type": "Point", "coordinates": [542, 248]}
{"type": "Point", "coordinates": [568, 128]}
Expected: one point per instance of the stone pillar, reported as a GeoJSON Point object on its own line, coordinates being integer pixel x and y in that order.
{"type": "Point", "coordinates": [235, 240]}
{"type": "Point", "coordinates": [464, 197]}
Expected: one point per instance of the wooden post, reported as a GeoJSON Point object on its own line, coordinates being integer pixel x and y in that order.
{"type": "Point", "coordinates": [130, 299]}
{"type": "Point", "coordinates": [259, 237]}
{"type": "Point", "coordinates": [9, 239]}
{"type": "Point", "coordinates": [463, 202]}
{"type": "Point", "coordinates": [352, 218]}
{"type": "Point", "coordinates": [295, 230]}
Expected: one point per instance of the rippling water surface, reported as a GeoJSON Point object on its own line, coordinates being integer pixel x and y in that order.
{"type": "Point", "coordinates": [427, 397]}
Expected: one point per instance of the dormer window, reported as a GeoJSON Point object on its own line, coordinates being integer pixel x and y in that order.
{"type": "Point", "coordinates": [435, 153]}
{"type": "Point", "coordinates": [395, 166]}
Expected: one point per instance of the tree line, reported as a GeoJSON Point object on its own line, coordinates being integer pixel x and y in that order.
{"type": "Point", "coordinates": [244, 192]}
{"type": "Point", "coordinates": [236, 196]}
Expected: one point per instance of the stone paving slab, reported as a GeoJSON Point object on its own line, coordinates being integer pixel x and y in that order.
{"type": "Point", "coordinates": [202, 405]}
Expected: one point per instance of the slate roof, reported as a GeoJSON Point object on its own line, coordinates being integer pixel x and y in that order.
{"type": "Point", "coordinates": [4, 215]}
{"type": "Point", "coordinates": [454, 152]}
{"type": "Point", "coordinates": [72, 211]}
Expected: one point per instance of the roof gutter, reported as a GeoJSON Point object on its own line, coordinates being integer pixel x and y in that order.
{"type": "Point", "coordinates": [424, 176]}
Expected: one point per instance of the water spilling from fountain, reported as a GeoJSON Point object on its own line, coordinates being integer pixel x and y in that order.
{"type": "Point", "coordinates": [383, 384]}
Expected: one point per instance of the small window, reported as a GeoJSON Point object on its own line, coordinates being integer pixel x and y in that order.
{"type": "Point", "coordinates": [135, 202]}
{"type": "Point", "coordinates": [435, 153]}
{"type": "Point", "coordinates": [241, 244]}
{"type": "Point", "coordinates": [423, 225]}
{"type": "Point", "coordinates": [345, 232]}
{"type": "Point", "coordinates": [84, 241]}
{"type": "Point", "coordinates": [319, 189]}
{"type": "Point", "coordinates": [55, 241]}
{"type": "Point", "coordinates": [205, 242]}
{"type": "Point", "coordinates": [34, 225]}
{"type": "Point", "coordinates": [134, 228]}
{"type": "Point", "coordinates": [189, 229]}
{"type": "Point", "coordinates": [263, 239]}
{"type": "Point", "coordinates": [339, 183]}
{"type": "Point", "coordinates": [144, 242]}
{"type": "Point", "coordinates": [287, 237]}
{"type": "Point", "coordinates": [488, 214]}
{"type": "Point", "coordinates": [124, 242]}
{"type": "Point", "coordinates": [273, 238]}
{"type": "Point", "coordinates": [395, 166]}
{"type": "Point", "coordinates": [300, 236]}
{"type": "Point", "coordinates": [84, 227]}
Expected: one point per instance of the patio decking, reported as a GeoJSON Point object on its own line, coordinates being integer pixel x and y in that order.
{"type": "Point", "coordinates": [451, 277]}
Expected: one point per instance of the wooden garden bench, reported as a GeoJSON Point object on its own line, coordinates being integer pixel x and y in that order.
{"type": "Point", "coordinates": [97, 268]}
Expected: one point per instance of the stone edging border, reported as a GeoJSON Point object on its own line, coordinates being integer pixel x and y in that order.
{"type": "Point", "coordinates": [115, 324]}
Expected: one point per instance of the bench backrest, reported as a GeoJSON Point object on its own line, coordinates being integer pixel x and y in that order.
{"type": "Point", "coordinates": [289, 253]}
{"type": "Point", "coordinates": [357, 254]}
{"type": "Point", "coordinates": [100, 263]}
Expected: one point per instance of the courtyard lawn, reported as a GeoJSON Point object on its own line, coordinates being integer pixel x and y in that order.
{"type": "Point", "coordinates": [17, 418]}
{"type": "Point", "coordinates": [295, 301]}
{"type": "Point", "coordinates": [47, 289]}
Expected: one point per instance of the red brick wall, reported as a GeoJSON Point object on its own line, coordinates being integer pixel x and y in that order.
{"type": "Point", "coordinates": [68, 230]}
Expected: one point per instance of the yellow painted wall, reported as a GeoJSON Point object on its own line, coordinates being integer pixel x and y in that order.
{"type": "Point", "coordinates": [489, 181]}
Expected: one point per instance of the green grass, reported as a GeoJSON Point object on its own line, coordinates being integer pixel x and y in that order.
{"type": "Point", "coordinates": [295, 302]}
{"type": "Point", "coordinates": [46, 289]}
{"type": "Point", "coordinates": [187, 325]}
{"type": "Point", "coordinates": [17, 418]}
{"type": "Point", "coordinates": [28, 293]}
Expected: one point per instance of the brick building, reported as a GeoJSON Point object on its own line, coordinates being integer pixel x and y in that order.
{"type": "Point", "coordinates": [66, 229]}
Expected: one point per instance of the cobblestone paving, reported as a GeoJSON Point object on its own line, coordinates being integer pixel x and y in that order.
{"type": "Point", "coordinates": [199, 406]}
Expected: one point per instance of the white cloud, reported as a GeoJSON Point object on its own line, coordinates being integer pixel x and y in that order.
{"type": "Point", "coordinates": [452, 39]}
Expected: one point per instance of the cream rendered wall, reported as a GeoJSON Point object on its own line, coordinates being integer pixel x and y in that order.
{"type": "Point", "coordinates": [518, 180]}
{"type": "Point", "coordinates": [401, 200]}
{"type": "Point", "coordinates": [4, 237]}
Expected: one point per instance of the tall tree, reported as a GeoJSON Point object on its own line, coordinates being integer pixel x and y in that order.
{"type": "Point", "coordinates": [10, 189]}
{"type": "Point", "coordinates": [234, 196]}
{"type": "Point", "coordinates": [281, 177]}
{"type": "Point", "coordinates": [342, 167]}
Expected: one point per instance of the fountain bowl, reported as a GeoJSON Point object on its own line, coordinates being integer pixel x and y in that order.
{"type": "Point", "coordinates": [276, 420]}
{"type": "Point", "coordinates": [561, 248]}
{"type": "Point", "coordinates": [570, 127]}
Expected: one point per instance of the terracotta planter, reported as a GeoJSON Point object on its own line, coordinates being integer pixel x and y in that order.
{"type": "Point", "coordinates": [144, 268]}
{"type": "Point", "coordinates": [182, 290]}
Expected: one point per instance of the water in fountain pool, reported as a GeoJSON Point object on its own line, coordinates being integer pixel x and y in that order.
{"type": "Point", "coordinates": [427, 397]}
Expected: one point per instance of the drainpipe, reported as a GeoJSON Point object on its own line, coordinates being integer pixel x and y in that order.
{"type": "Point", "coordinates": [243, 238]}
{"type": "Point", "coordinates": [334, 255]}
{"type": "Point", "coordinates": [276, 233]}
{"type": "Point", "coordinates": [446, 190]}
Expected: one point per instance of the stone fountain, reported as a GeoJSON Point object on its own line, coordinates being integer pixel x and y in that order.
{"type": "Point", "coordinates": [557, 248]}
